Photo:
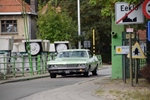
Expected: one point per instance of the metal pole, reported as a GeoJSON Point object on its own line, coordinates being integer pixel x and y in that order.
{"type": "Point", "coordinates": [22, 65]}
{"type": "Point", "coordinates": [5, 67]}
{"type": "Point", "coordinates": [93, 41]}
{"type": "Point", "coordinates": [124, 68]}
{"type": "Point", "coordinates": [14, 67]}
{"type": "Point", "coordinates": [131, 69]}
{"type": "Point", "coordinates": [136, 71]}
{"type": "Point", "coordinates": [124, 58]}
{"type": "Point", "coordinates": [79, 27]}
{"type": "Point", "coordinates": [27, 36]}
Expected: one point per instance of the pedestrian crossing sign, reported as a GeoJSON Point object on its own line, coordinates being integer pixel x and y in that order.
{"type": "Point", "coordinates": [137, 52]}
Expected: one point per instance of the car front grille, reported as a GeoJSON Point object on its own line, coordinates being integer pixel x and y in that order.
{"type": "Point", "coordinates": [69, 65]}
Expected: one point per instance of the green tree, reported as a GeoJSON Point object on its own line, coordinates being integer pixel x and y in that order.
{"type": "Point", "coordinates": [109, 5]}
{"type": "Point", "coordinates": [55, 25]}
{"type": "Point", "coordinates": [91, 18]}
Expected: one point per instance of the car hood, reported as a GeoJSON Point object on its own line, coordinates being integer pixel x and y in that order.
{"type": "Point", "coordinates": [68, 61]}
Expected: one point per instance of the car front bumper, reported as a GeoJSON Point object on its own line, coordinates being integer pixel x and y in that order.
{"type": "Point", "coordinates": [67, 70]}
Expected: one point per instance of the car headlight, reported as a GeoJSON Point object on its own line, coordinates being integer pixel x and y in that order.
{"type": "Point", "coordinates": [81, 65]}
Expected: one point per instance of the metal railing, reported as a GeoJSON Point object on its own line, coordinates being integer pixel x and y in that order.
{"type": "Point", "coordinates": [18, 65]}
{"type": "Point", "coordinates": [142, 62]}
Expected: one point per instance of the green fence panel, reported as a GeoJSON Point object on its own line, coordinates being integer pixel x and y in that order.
{"type": "Point", "coordinates": [31, 65]}
{"type": "Point", "coordinates": [14, 66]}
{"type": "Point", "coordinates": [39, 64]}
{"type": "Point", "coordinates": [4, 67]}
{"type": "Point", "coordinates": [44, 59]}
{"type": "Point", "coordinates": [19, 66]}
{"type": "Point", "coordinates": [23, 65]}
{"type": "Point", "coordinates": [142, 63]}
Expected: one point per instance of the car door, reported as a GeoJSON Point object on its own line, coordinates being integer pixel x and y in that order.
{"type": "Point", "coordinates": [92, 60]}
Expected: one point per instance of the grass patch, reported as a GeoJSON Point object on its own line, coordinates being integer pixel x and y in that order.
{"type": "Point", "coordinates": [118, 90]}
{"type": "Point", "coordinates": [133, 95]}
{"type": "Point", "coordinates": [99, 92]}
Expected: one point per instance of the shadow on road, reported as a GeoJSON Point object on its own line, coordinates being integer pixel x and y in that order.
{"type": "Point", "coordinates": [82, 76]}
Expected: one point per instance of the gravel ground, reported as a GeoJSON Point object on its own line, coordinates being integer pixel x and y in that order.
{"type": "Point", "coordinates": [118, 90]}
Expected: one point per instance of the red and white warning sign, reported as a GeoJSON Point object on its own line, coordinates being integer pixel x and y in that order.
{"type": "Point", "coordinates": [146, 8]}
{"type": "Point", "coordinates": [128, 13]}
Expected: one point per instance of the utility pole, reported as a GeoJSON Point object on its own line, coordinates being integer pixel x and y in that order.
{"type": "Point", "coordinates": [79, 26]}
{"type": "Point", "coordinates": [130, 59]}
{"type": "Point", "coordinates": [93, 41]}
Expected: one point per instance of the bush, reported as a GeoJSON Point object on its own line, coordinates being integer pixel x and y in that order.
{"type": "Point", "coordinates": [145, 72]}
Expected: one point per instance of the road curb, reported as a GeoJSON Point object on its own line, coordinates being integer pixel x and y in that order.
{"type": "Point", "coordinates": [37, 76]}
{"type": "Point", "coordinates": [22, 79]}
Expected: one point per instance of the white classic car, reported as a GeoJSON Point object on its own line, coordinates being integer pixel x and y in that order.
{"type": "Point", "coordinates": [73, 61]}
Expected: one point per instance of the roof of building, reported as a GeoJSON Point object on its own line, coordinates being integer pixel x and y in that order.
{"type": "Point", "coordinates": [46, 8]}
{"type": "Point", "coordinates": [11, 6]}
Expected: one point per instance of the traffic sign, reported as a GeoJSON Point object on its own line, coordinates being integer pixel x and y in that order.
{"type": "Point", "coordinates": [118, 50]}
{"type": "Point", "coordinates": [128, 36]}
{"type": "Point", "coordinates": [87, 44]}
{"type": "Point", "coordinates": [137, 52]}
{"type": "Point", "coordinates": [148, 30]}
{"type": "Point", "coordinates": [146, 8]}
{"type": "Point", "coordinates": [122, 49]}
{"type": "Point", "coordinates": [129, 30]}
{"type": "Point", "coordinates": [125, 49]}
{"type": "Point", "coordinates": [128, 13]}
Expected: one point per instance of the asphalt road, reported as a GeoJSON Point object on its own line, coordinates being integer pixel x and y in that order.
{"type": "Point", "coordinates": [18, 90]}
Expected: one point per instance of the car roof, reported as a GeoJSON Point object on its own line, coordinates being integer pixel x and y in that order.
{"type": "Point", "coordinates": [75, 50]}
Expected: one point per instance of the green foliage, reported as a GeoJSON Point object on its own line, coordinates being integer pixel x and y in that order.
{"type": "Point", "coordinates": [109, 5]}
{"type": "Point", "coordinates": [54, 25]}
{"type": "Point", "coordinates": [91, 18]}
{"type": "Point", "coordinates": [62, 25]}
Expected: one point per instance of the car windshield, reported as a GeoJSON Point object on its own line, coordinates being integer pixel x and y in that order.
{"type": "Point", "coordinates": [72, 54]}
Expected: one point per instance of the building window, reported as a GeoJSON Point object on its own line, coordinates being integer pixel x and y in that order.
{"type": "Point", "coordinates": [9, 26]}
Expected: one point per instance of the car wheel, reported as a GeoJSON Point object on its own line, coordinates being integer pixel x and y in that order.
{"type": "Point", "coordinates": [95, 71]}
{"type": "Point", "coordinates": [52, 75]}
{"type": "Point", "coordinates": [63, 75]}
{"type": "Point", "coordinates": [86, 74]}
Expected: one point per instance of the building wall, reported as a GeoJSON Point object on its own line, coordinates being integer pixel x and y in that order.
{"type": "Point", "coordinates": [20, 34]}
{"type": "Point", "coordinates": [33, 4]}
{"type": "Point", "coordinates": [33, 27]}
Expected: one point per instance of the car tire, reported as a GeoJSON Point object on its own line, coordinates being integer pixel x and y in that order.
{"type": "Point", "coordinates": [86, 74]}
{"type": "Point", "coordinates": [63, 75]}
{"type": "Point", "coordinates": [95, 71]}
{"type": "Point", "coordinates": [52, 75]}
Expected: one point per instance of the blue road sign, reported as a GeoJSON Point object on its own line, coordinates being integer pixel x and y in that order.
{"type": "Point", "coordinates": [148, 29]}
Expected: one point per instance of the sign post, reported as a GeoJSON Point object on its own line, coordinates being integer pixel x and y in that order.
{"type": "Point", "coordinates": [137, 53]}
{"type": "Point", "coordinates": [93, 41]}
{"type": "Point", "coordinates": [130, 51]}
{"type": "Point", "coordinates": [129, 14]}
